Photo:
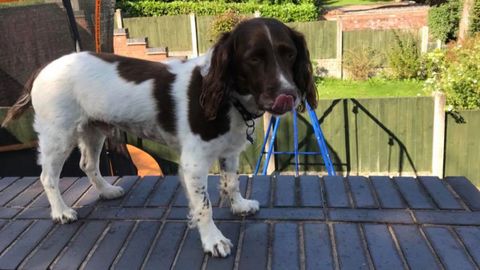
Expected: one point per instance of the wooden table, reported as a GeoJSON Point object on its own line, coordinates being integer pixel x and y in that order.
{"type": "Point", "coordinates": [304, 223]}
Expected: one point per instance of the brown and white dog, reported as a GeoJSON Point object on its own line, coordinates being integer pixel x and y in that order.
{"type": "Point", "coordinates": [201, 107]}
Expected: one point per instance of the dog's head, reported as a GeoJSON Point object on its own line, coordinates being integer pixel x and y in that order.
{"type": "Point", "coordinates": [263, 58]}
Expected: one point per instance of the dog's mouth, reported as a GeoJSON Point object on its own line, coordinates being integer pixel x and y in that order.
{"type": "Point", "coordinates": [282, 104]}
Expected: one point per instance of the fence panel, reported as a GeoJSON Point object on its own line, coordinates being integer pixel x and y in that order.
{"type": "Point", "coordinates": [203, 33]}
{"type": "Point", "coordinates": [171, 31]}
{"type": "Point", "coordinates": [320, 36]}
{"type": "Point", "coordinates": [462, 148]}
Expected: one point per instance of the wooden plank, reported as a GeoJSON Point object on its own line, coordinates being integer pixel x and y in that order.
{"type": "Point", "coordinates": [126, 182]}
{"type": "Point", "coordinates": [15, 188]}
{"type": "Point", "coordinates": [243, 184]}
{"type": "Point", "coordinates": [63, 185]}
{"type": "Point", "coordinates": [447, 217]}
{"type": "Point", "coordinates": [350, 249]}
{"type": "Point", "coordinates": [285, 245]}
{"type": "Point", "coordinates": [415, 248]}
{"type": "Point", "coordinates": [254, 251]}
{"type": "Point", "coordinates": [336, 192]}
{"type": "Point", "coordinates": [310, 191]}
{"type": "Point", "coordinates": [413, 193]}
{"type": "Point", "coordinates": [110, 245]}
{"type": "Point", "coordinates": [11, 231]}
{"type": "Point", "coordinates": [440, 193]}
{"type": "Point", "coordinates": [12, 257]}
{"type": "Point", "coordinates": [231, 231]}
{"type": "Point", "coordinates": [470, 237]}
{"type": "Point", "coordinates": [166, 246]}
{"type": "Point", "coordinates": [7, 181]}
{"type": "Point", "coordinates": [137, 247]}
{"type": "Point", "coordinates": [213, 192]}
{"type": "Point", "coordinates": [27, 196]}
{"type": "Point", "coordinates": [77, 249]}
{"type": "Point", "coordinates": [164, 192]}
{"type": "Point", "coordinates": [93, 195]}
{"type": "Point", "coordinates": [361, 192]}
{"type": "Point", "coordinates": [74, 192]}
{"type": "Point", "coordinates": [191, 254]}
{"type": "Point", "coordinates": [181, 199]}
{"type": "Point", "coordinates": [382, 248]}
{"type": "Point", "coordinates": [467, 191]}
{"type": "Point", "coordinates": [449, 250]}
{"type": "Point", "coordinates": [388, 196]}
{"type": "Point", "coordinates": [284, 191]}
{"type": "Point", "coordinates": [261, 187]}
{"type": "Point", "coordinates": [139, 194]}
{"type": "Point", "coordinates": [318, 248]}
{"type": "Point", "coordinates": [371, 215]}
{"type": "Point", "coordinates": [46, 252]}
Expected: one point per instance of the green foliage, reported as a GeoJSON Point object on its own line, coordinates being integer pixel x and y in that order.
{"type": "Point", "coordinates": [362, 63]}
{"type": "Point", "coordinates": [224, 23]}
{"type": "Point", "coordinates": [404, 58]}
{"type": "Point", "coordinates": [475, 18]}
{"type": "Point", "coordinates": [286, 12]}
{"type": "Point", "coordinates": [456, 71]}
{"type": "Point", "coordinates": [444, 19]}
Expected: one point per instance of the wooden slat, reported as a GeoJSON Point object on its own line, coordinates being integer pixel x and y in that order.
{"type": "Point", "coordinates": [11, 231]}
{"type": "Point", "coordinates": [285, 245]}
{"type": "Point", "coordinates": [63, 185]}
{"type": "Point", "coordinates": [261, 190]}
{"type": "Point", "coordinates": [73, 194]}
{"type": "Point", "coordinates": [243, 185]}
{"type": "Point", "coordinates": [15, 188]}
{"type": "Point", "coordinates": [470, 237]}
{"type": "Point", "coordinates": [77, 249]}
{"type": "Point", "coordinates": [190, 257]}
{"type": "Point", "coordinates": [138, 245]}
{"type": "Point", "coordinates": [110, 245]}
{"type": "Point", "coordinates": [126, 182]}
{"type": "Point", "coordinates": [415, 248]}
{"type": "Point", "coordinates": [139, 194]}
{"type": "Point", "coordinates": [448, 249]}
{"type": "Point", "coordinates": [254, 252]}
{"type": "Point", "coordinates": [51, 246]}
{"type": "Point", "coordinates": [93, 195]}
{"type": "Point", "coordinates": [6, 181]}
{"type": "Point", "coordinates": [27, 196]}
{"type": "Point", "coordinates": [164, 192]}
{"type": "Point", "coordinates": [388, 196]}
{"type": "Point", "coordinates": [382, 247]}
{"type": "Point", "coordinates": [336, 192]}
{"type": "Point", "coordinates": [318, 248]}
{"type": "Point", "coordinates": [166, 246]}
{"type": "Point", "coordinates": [440, 193]}
{"type": "Point", "coordinates": [413, 193]}
{"type": "Point", "coordinates": [350, 249]}
{"type": "Point", "coordinates": [213, 192]}
{"type": "Point", "coordinates": [310, 191]}
{"type": "Point", "coordinates": [231, 231]}
{"type": "Point", "coordinates": [361, 192]}
{"type": "Point", "coordinates": [466, 190]}
{"type": "Point", "coordinates": [284, 191]}
{"type": "Point", "coordinates": [12, 258]}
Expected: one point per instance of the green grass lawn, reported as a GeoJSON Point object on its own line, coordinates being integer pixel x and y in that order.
{"type": "Point", "coordinates": [330, 88]}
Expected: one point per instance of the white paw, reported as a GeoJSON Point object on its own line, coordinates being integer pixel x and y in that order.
{"type": "Point", "coordinates": [111, 192]}
{"type": "Point", "coordinates": [216, 244]}
{"type": "Point", "coordinates": [65, 215]}
{"type": "Point", "coordinates": [245, 207]}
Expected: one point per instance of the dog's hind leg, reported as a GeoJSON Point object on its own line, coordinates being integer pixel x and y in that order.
{"type": "Point", "coordinates": [55, 146]}
{"type": "Point", "coordinates": [90, 142]}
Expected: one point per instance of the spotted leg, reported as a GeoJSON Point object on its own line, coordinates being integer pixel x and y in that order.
{"type": "Point", "coordinates": [194, 174]}
{"type": "Point", "coordinates": [230, 190]}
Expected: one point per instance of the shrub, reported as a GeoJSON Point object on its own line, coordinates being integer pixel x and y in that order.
{"type": "Point", "coordinates": [286, 12]}
{"type": "Point", "coordinates": [475, 18]}
{"type": "Point", "coordinates": [457, 73]}
{"type": "Point", "coordinates": [224, 23]}
{"type": "Point", "coordinates": [404, 58]}
{"type": "Point", "coordinates": [362, 63]}
{"type": "Point", "coordinates": [443, 20]}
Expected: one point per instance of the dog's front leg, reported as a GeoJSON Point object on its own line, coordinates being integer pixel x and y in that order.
{"type": "Point", "coordinates": [229, 186]}
{"type": "Point", "coordinates": [194, 174]}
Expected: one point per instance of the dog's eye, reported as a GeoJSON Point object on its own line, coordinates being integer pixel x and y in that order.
{"type": "Point", "coordinates": [290, 56]}
{"type": "Point", "coordinates": [254, 60]}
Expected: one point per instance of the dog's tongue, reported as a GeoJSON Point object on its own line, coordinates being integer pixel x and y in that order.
{"type": "Point", "coordinates": [283, 103]}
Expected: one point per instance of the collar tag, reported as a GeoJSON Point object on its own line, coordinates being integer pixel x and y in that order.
{"type": "Point", "coordinates": [248, 118]}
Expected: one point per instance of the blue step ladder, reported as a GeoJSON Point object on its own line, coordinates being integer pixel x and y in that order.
{"type": "Point", "coordinates": [275, 122]}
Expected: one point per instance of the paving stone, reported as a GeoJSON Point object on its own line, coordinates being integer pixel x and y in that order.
{"type": "Point", "coordinates": [190, 255]}
{"type": "Point", "coordinates": [336, 192]}
{"type": "Point", "coordinates": [126, 182]}
{"type": "Point", "coordinates": [440, 193]}
{"type": "Point", "coordinates": [166, 246]}
{"type": "Point", "coordinates": [318, 248]}
{"type": "Point", "coordinates": [447, 217]}
{"type": "Point", "coordinates": [350, 250]}
{"type": "Point", "coordinates": [139, 194]}
{"type": "Point", "coordinates": [382, 248]}
{"type": "Point", "coordinates": [231, 231]}
{"type": "Point", "coordinates": [387, 194]}
{"type": "Point", "coordinates": [7, 213]}
{"type": "Point", "coordinates": [164, 192]}
{"type": "Point", "coordinates": [284, 191]}
{"type": "Point", "coordinates": [361, 192]}
{"type": "Point", "coordinates": [63, 185]}
{"type": "Point", "coordinates": [370, 215]}
{"type": "Point", "coordinates": [92, 195]}
{"type": "Point", "coordinates": [413, 193]}
{"type": "Point", "coordinates": [310, 191]}
{"type": "Point", "coordinates": [261, 188]}
{"type": "Point", "coordinates": [27, 196]}
{"type": "Point", "coordinates": [289, 214]}
{"type": "Point", "coordinates": [254, 253]}
{"type": "Point", "coordinates": [285, 250]}
{"type": "Point", "coordinates": [470, 236]}
{"type": "Point", "coordinates": [6, 181]}
{"type": "Point", "coordinates": [466, 190]}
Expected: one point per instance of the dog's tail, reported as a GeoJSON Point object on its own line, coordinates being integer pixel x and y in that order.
{"type": "Point", "coordinates": [24, 101]}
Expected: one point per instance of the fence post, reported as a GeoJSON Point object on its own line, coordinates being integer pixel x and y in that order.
{"type": "Point", "coordinates": [424, 44]}
{"type": "Point", "coordinates": [438, 144]}
{"type": "Point", "coordinates": [118, 18]}
{"type": "Point", "coordinates": [193, 27]}
{"type": "Point", "coordinates": [340, 46]}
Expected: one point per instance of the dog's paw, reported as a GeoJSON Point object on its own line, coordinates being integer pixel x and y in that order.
{"type": "Point", "coordinates": [66, 215]}
{"type": "Point", "coordinates": [217, 245]}
{"type": "Point", "coordinates": [111, 192]}
{"type": "Point", "coordinates": [245, 207]}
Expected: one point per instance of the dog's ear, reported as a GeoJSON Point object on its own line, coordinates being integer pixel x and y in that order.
{"type": "Point", "coordinates": [216, 82]}
{"type": "Point", "coordinates": [302, 71]}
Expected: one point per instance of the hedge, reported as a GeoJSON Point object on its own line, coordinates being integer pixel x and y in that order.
{"type": "Point", "coordinates": [285, 12]}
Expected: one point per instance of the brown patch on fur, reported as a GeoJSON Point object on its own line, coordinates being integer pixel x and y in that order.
{"type": "Point", "coordinates": [200, 124]}
{"type": "Point", "coordinates": [138, 71]}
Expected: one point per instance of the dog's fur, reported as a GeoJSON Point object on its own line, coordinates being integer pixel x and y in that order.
{"type": "Point", "coordinates": [187, 105]}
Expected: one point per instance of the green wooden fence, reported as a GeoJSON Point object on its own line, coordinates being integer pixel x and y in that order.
{"type": "Point", "coordinates": [463, 146]}
{"type": "Point", "coordinates": [320, 36]}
